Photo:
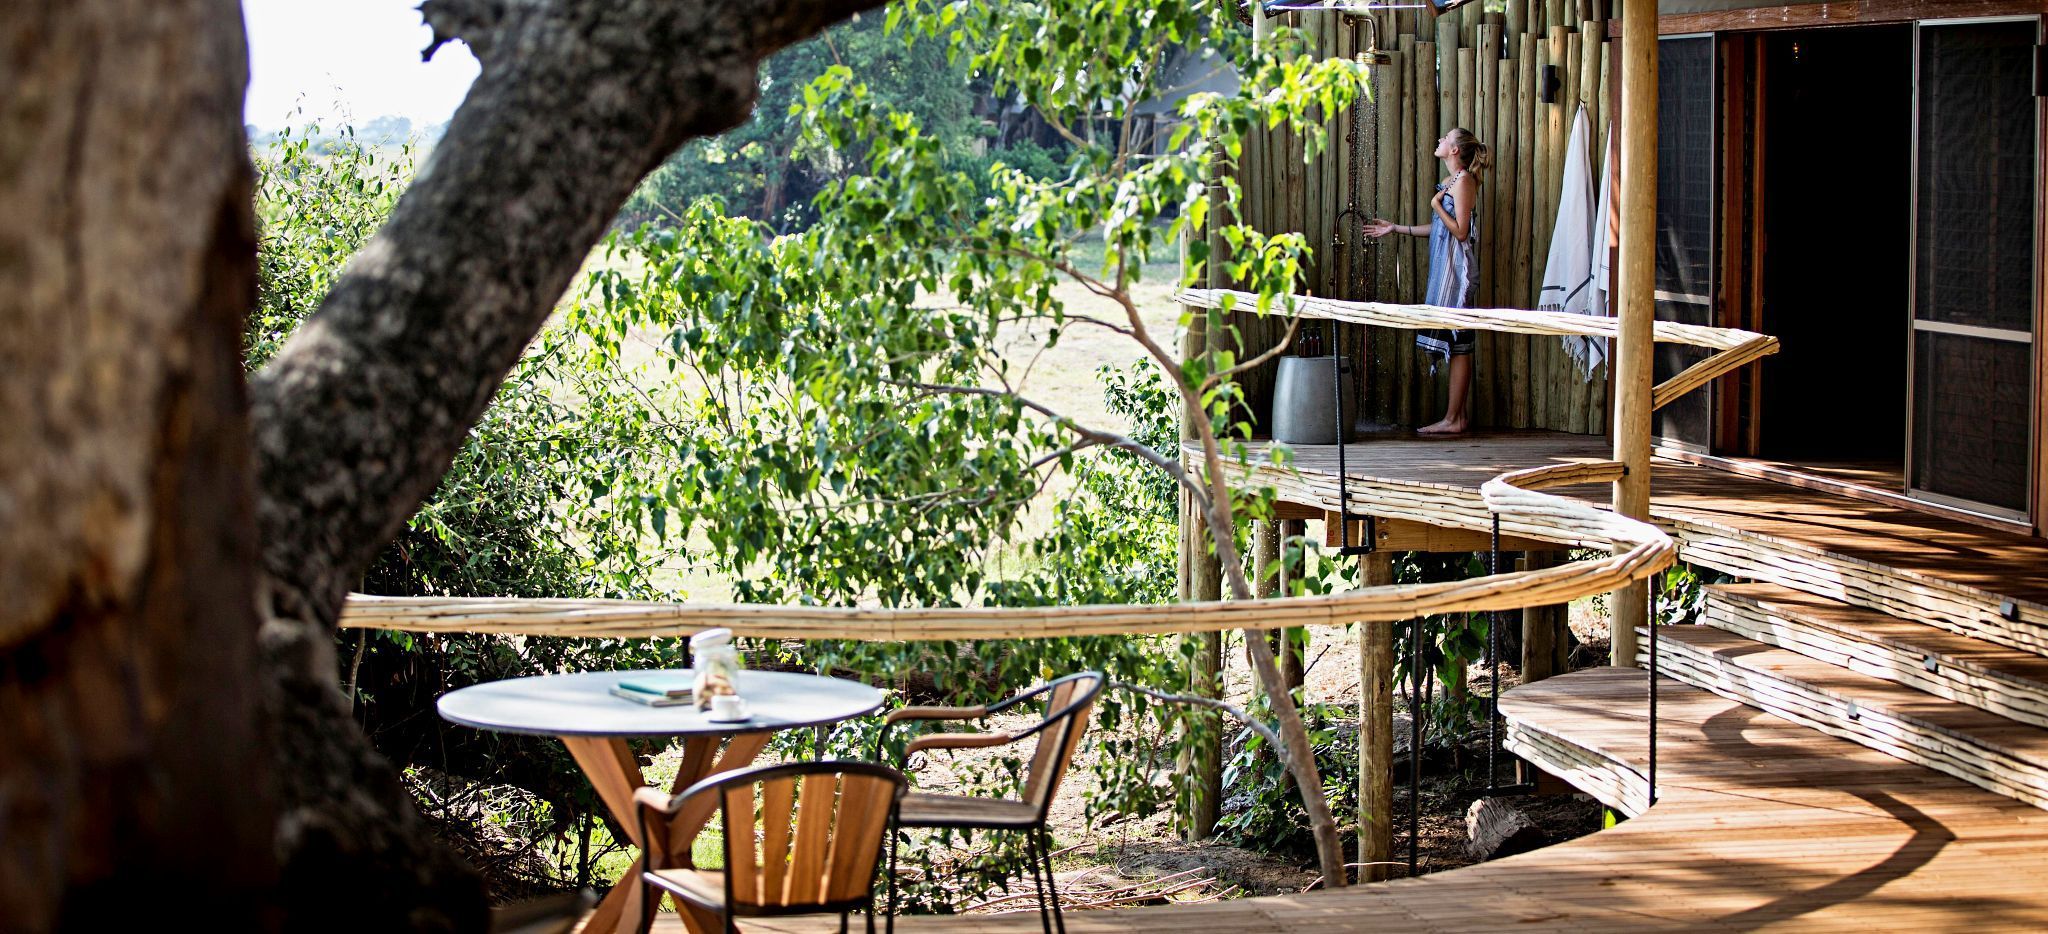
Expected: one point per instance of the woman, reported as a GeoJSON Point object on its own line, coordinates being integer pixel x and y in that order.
{"type": "Point", "coordinates": [1453, 233]}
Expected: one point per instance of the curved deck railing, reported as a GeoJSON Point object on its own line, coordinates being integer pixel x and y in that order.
{"type": "Point", "coordinates": [1733, 347]}
{"type": "Point", "coordinates": [1638, 550]}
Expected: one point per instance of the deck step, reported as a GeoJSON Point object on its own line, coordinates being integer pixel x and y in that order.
{"type": "Point", "coordinates": [2008, 682]}
{"type": "Point", "coordinates": [1977, 746]}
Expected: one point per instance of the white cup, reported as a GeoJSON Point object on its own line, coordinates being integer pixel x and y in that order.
{"type": "Point", "coordinates": [728, 707]}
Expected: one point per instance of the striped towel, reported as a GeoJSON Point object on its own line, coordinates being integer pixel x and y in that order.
{"type": "Point", "coordinates": [1573, 276]}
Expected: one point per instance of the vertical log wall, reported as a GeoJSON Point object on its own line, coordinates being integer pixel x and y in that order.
{"type": "Point", "coordinates": [1471, 68]}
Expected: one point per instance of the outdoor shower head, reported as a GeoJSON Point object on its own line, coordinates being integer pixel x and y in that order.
{"type": "Point", "coordinates": [1372, 54]}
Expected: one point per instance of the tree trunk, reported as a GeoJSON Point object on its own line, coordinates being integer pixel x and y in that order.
{"type": "Point", "coordinates": [128, 662]}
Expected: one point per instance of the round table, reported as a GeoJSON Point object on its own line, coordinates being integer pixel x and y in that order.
{"type": "Point", "coordinates": [579, 710]}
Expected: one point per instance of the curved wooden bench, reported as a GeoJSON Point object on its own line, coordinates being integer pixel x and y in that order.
{"type": "Point", "coordinates": [1760, 823]}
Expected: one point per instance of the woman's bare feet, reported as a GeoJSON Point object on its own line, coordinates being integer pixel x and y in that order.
{"type": "Point", "coordinates": [1445, 427]}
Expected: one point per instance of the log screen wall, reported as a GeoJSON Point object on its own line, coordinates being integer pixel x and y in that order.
{"type": "Point", "coordinates": [1471, 68]}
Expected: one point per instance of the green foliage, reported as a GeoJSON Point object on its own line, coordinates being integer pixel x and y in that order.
{"type": "Point", "coordinates": [1114, 539]}
{"type": "Point", "coordinates": [762, 171]}
{"type": "Point", "coordinates": [1262, 809]}
{"type": "Point", "coordinates": [1449, 642]}
{"type": "Point", "coordinates": [318, 199]}
{"type": "Point", "coordinates": [1681, 593]}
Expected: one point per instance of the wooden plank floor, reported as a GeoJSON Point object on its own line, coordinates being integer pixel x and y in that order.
{"type": "Point", "coordinates": [1879, 533]}
{"type": "Point", "coordinates": [1920, 566]}
{"type": "Point", "coordinates": [1761, 824]}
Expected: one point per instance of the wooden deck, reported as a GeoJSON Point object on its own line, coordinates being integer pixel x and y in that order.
{"type": "Point", "coordinates": [1761, 824]}
{"type": "Point", "coordinates": [1920, 566]}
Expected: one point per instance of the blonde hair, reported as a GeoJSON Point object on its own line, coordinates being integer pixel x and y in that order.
{"type": "Point", "coordinates": [1472, 154]}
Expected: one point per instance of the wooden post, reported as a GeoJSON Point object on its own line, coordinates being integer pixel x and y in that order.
{"type": "Point", "coordinates": [1202, 768]}
{"type": "Point", "coordinates": [1502, 226]}
{"type": "Point", "coordinates": [1543, 627]}
{"type": "Point", "coordinates": [1266, 548]}
{"type": "Point", "coordinates": [1423, 96]}
{"type": "Point", "coordinates": [1592, 38]}
{"type": "Point", "coordinates": [1632, 348]}
{"type": "Point", "coordinates": [1294, 658]}
{"type": "Point", "coordinates": [1201, 574]}
{"type": "Point", "coordinates": [1525, 225]}
{"type": "Point", "coordinates": [1376, 732]}
{"type": "Point", "coordinates": [1391, 273]}
{"type": "Point", "coordinates": [1388, 263]}
{"type": "Point", "coordinates": [1486, 369]}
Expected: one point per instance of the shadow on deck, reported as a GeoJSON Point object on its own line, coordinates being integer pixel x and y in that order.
{"type": "Point", "coordinates": [1761, 823]}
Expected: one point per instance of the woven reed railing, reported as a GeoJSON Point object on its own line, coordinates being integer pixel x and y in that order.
{"type": "Point", "coordinates": [1732, 347]}
{"type": "Point", "coordinates": [1638, 550]}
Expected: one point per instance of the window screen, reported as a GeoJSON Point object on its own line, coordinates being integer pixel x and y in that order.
{"type": "Point", "coordinates": [1687, 145]}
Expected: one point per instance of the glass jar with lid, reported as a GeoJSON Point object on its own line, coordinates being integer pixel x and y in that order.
{"type": "Point", "coordinates": [716, 664]}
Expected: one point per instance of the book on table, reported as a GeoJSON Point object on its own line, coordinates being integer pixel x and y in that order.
{"type": "Point", "coordinates": [650, 699]}
{"type": "Point", "coordinates": [660, 689]}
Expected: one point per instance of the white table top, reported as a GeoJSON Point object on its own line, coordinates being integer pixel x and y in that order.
{"type": "Point", "coordinates": [582, 705]}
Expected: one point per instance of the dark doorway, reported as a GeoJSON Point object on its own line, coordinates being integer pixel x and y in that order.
{"type": "Point", "coordinates": [1837, 180]}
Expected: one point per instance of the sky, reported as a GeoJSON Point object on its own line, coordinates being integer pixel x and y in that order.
{"type": "Point", "coordinates": [359, 58]}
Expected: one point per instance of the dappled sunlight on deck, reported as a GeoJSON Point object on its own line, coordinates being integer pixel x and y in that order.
{"type": "Point", "coordinates": [1760, 823]}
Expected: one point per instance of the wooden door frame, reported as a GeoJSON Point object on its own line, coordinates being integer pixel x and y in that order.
{"type": "Point", "coordinates": [1848, 13]}
{"type": "Point", "coordinates": [2039, 473]}
{"type": "Point", "coordinates": [1739, 289]}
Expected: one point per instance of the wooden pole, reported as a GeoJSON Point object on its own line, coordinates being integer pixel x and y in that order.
{"type": "Point", "coordinates": [1376, 732]}
{"type": "Point", "coordinates": [1543, 627]}
{"type": "Point", "coordinates": [1592, 39]}
{"type": "Point", "coordinates": [1637, 314]}
{"type": "Point", "coordinates": [1566, 398]}
{"type": "Point", "coordinates": [1545, 201]}
{"type": "Point", "coordinates": [1392, 273]}
{"type": "Point", "coordinates": [1201, 574]}
{"type": "Point", "coordinates": [1424, 96]}
{"type": "Point", "coordinates": [1265, 576]}
{"type": "Point", "coordinates": [1486, 373]}
{"type": "Point", "coordinates": [1502, 225]}
{"type": "Point", "coordinates": [1468, 96]}
{"type": "Point", "coordinates": [1525, 224]}
{"type": "Point", "coordinates": [1295, 639]}
{"type": "Point", "coordinates": [1447, 46]}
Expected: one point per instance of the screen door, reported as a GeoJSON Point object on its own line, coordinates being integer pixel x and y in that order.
{"type": "Point", "coordinates": [1974, 264]}
{"type": "Point", "coordinates": [1687, 143]}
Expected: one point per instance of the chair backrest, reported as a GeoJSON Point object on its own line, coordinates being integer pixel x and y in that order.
{"type": "Point", "coordinates": [1068, 703]}
{"type": "Point", "coordinates": [806, 833]}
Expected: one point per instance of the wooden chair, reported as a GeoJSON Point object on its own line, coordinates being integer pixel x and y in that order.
{"type": "Point", "coordinates": [1067, 704]}
{"type": "Point", "coordinates": [800, 838]}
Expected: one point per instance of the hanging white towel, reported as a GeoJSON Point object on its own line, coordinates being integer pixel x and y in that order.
{"type": "Point", "coordinates": [1570, 283]}
{"type": "Point", "coordinates": [1603, 273]}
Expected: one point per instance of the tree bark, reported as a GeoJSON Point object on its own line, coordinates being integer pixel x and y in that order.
{"type": "Point", "coordinates": [1495, 828]}
{"type": "Point", "coordinates": [360, 415]}
{"type": "Point", "coordinates": [128, 663]}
